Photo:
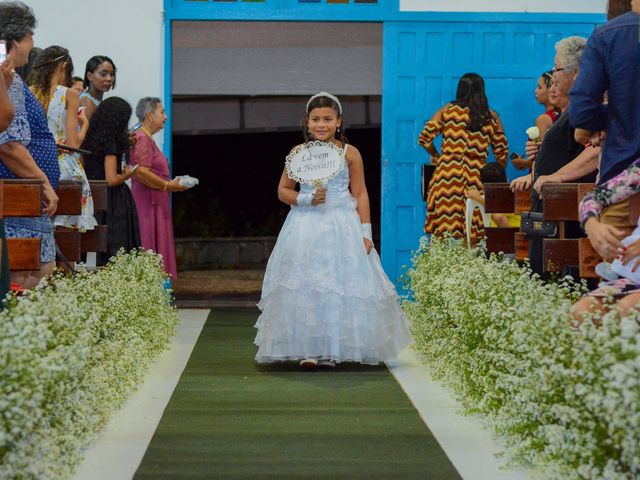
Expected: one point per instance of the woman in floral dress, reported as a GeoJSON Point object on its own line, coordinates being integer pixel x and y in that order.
{"type": "Point", "coordinates": [53, 69]}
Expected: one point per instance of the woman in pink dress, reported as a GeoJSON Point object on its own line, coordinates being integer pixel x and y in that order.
{"type": "Point", "coordinates": [151, 184]}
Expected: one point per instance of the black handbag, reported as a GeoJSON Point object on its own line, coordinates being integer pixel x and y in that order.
{"type": "Point", "coordinates": [533, 225]}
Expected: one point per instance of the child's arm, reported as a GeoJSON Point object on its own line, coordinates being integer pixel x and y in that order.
{"type": "Point", "coordinates": [74, 139]}
{"type": "Point", "coordinates": [359, 191]}
{"type": "Point", "coordinates": [500, 219]}
{"type": "Point", "coordinates": [474, 194]}
{"type": "Point", "coordinates": [287, 193]}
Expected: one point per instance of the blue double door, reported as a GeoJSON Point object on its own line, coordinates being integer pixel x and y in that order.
{"type": "Point", "coordinates": [422, 63]}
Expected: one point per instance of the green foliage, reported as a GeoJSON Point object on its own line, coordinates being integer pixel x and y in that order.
{"type": "Point", "coordinates": [565, 399]}
{"type": "Point", "coordinates": [70, 354]}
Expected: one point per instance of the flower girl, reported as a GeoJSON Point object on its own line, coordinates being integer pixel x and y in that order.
{"type": "Point", "coordinates": [325, 297]}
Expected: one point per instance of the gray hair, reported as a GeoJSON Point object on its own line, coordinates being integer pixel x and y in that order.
{"type": "Point", "coordinates": [146, 105]}
{"type": "Point", "coordinates": [16, 22]}
{"type": "Point", "coordinates": [570, 51]}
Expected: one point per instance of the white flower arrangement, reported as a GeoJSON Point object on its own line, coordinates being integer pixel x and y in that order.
{"type": "Point", "coordinates": [566, 400]}
{"type": "Point", "coordinates": [70, 354]}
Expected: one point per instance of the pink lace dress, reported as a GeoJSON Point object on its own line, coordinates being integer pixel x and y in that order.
{"type": "Point", "coordinates": [154, 209]}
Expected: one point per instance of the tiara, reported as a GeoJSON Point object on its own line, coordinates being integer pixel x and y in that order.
{"type": "Point", "coordinates": [328, 95]}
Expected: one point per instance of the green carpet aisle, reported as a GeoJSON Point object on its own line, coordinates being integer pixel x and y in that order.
{"type": "Point", "coordinates": [230, 418]}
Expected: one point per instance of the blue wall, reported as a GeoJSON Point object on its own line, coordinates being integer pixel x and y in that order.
{"type": "Point", "coordinates": [424, 55]}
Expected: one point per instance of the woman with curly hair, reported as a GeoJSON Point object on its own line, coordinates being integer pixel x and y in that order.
{"type": "Point", "coordinates": [51, 73]}
{"type": "Point", "coordinates": [108, 141]}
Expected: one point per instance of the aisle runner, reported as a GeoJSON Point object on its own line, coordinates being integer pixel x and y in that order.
{"type": "Point", "coordinates": [230, 418]}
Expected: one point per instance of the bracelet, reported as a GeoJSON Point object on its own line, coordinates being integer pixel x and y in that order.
{"type": "Point", "coordinates": [304, 199]}
{"type": "Point", "coordinates": [366, 231]}
{"type": "Point", "coordinates": [166, 184]}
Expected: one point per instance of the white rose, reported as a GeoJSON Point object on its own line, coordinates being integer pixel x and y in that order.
{"type": "Point", "coordinates": [533, 133]}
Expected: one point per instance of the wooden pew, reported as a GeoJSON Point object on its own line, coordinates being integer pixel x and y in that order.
{"type": "Point", "coordinates": [22, 198]}
{"type": "Point", "coordinates": [561, 204]}
{"type": "Point", "coordinates": [499, 198]}
{"type": "Point", "coordinates": [71, 242]}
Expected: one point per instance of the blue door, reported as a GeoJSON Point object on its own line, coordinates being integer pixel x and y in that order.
{"type": "Point", "coordinates": [421, 67]}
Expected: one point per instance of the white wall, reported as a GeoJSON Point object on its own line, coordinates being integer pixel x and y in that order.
{"type": "Point", "coordinates": [531, 6]}
{"type": "Point", "coordinates": [131, 32]}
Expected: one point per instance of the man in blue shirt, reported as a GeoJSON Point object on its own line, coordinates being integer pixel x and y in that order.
{"type": "Point", "coordinates": [610, 63]}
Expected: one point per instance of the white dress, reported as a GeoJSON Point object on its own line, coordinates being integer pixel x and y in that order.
{"type": "Point", "coordinates": [323, 297]}
{"type": "Point", "coordinates": [70, 166]}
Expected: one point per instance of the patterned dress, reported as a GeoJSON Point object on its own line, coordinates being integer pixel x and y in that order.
{"type": "Point", "coordinates": [617, 189]}
{"type": "Point", "coordinates": [463, 154]}
{"type": "Point", "coordinates": [29, 127]}
{"type": "Point", "coordinates": [70, 166]}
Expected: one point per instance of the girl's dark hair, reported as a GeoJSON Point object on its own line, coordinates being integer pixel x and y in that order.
{"type": "Point", "coordinates": [615, 8]}
{"type": "Point", "coordinates": [323, 102]}
{"type": "Point", "coordinates": [92, 65]}
{"type": "Point", "coordinates": [16, 22]}
{"type": "Point", "coordinates": [75, 79]}
{"type": "Point", "coordinates": [547, 77]}
{"type": "Point", "coordinates": [493, 173]}
{"type": "Point", "coordinates": [471, 94]}
{"type": "Point", "coordinates": [44, 67]}
{"type": "Point", "coordinates": [108, 128]}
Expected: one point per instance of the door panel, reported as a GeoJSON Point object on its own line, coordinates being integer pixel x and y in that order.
{"type": "Point", "coordinates": [422, 63]}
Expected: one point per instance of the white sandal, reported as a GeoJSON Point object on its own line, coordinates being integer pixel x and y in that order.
{"type": "Point", "coordinates": [309, 363]}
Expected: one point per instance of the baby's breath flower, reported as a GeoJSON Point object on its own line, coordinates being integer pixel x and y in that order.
{"type": "Point", "coordinates": [566, 400]}
{"type": "Point", "coordinates": [70, 354]}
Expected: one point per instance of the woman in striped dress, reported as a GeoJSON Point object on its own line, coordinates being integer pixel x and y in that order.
{"type": "Point", "coordinates": [468, 127]}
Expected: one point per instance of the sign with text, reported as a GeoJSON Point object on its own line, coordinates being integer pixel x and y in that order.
{"type": "Point", "coordinates": [314, 163]}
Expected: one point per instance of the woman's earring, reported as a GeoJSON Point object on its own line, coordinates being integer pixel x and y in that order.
{"type": "Point", "coordinates": [338, 130]}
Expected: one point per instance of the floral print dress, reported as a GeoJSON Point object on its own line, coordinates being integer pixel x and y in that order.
{"type": "Point", "coordinates": [617, 189]}
{"type": "Point", "coordinates": [70, 166]}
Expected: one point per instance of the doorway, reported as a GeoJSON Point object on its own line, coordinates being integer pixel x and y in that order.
{"type": "Point", "coordinates": [239, 93]}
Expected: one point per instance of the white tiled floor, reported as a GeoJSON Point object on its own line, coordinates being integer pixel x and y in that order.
{"type": "Point", "coordinates": [121, 445]}
{"type": "Point", "coordinates": [465, 439]}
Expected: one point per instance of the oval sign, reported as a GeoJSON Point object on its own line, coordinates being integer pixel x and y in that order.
{"type": "Point", "coordinates": [315, 162]}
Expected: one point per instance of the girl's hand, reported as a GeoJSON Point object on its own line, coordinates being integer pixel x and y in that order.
{"type": "Point", "coordinates": [368, 245]}
{"type": "Point", "coordinates": [605, 239]}
{"type": "Point", "coordinates": [474, 194]}
{"type": "Point", "coordinates": [630, 252]}
{"type": "Point", "coordinates": [82, 118]}
{"type": "Point", "coordinates": [521, 184]}
{"type": "Point", "coordinates": [434, 160]}
{"type": "Point", "coordinates": [127, 172]}
{"type": "Point", "coordinates": [320, 196]}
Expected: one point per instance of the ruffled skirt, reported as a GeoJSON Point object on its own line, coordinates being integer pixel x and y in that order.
{"type": "Point", "coordinates": [323, 297]}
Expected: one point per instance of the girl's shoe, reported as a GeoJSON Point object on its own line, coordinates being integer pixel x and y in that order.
{"type": "Point", "coordinates": [327, 364]}
{"type": "Point", "coordinates": [309, 364]}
